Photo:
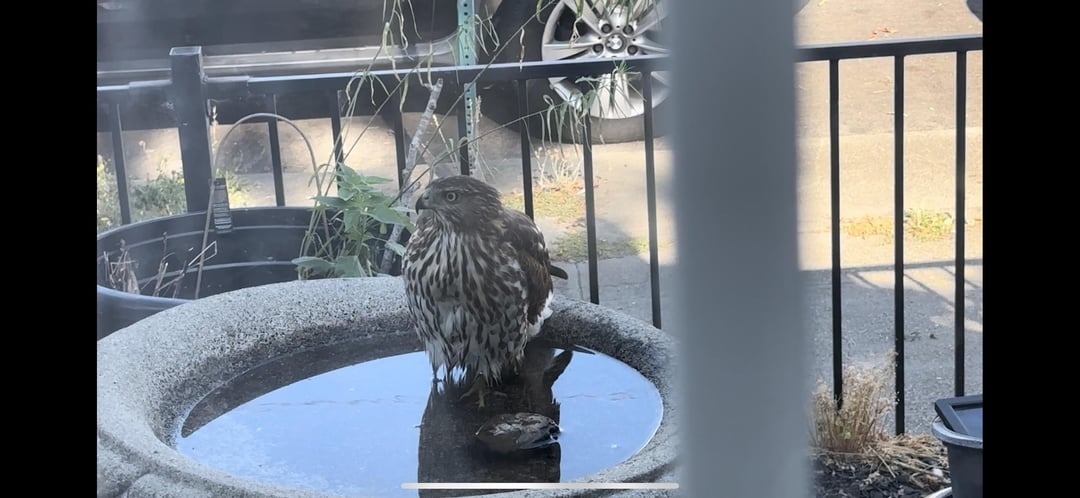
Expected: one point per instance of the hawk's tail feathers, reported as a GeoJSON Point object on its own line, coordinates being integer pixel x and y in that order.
{"type": "Point", "coordinates": [555, 271]}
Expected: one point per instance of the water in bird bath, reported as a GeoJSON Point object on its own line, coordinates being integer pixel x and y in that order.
{"type": "Point", "coordinates": [359, 427]}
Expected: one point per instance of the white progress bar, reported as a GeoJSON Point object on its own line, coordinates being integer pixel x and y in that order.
{"type": "Point", "coordinates": [539, 485]}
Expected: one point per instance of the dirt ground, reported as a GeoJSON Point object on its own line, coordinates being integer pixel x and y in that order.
{"type": "Point", "coordinates": [874, 476]}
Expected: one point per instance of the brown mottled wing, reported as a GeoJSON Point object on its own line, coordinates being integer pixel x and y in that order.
{"type": "Point", "coordinates": [525, 237]}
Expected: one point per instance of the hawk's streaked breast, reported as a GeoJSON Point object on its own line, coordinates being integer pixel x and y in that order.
{"type": "Point", "coordinates": [478, 278]}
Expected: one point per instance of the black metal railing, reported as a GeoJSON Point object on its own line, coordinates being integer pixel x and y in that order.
{"type": "Point", "coordinates": [898, 49]}
{"type": "Point", "coordinates": [189, 91]}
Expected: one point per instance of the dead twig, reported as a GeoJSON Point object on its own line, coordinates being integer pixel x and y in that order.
{"type": "Point", "coordinates": [199, 259]}
{"type": "Point", "coordinates": [883, 462]}
{"type": "Point", "coordinates": [205, 234]}
{"type": "Point", "coordinates": [912, 468]}
{"type": "Point", "coordinates": [121, 274]}
{"type": "Point", "coordinates": [164, 256]}
{"type": "Point", "coordinates": [163, 268]}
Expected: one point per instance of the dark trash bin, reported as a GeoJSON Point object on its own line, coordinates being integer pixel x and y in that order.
{"type": "Point", "coordinates": [960, 429]}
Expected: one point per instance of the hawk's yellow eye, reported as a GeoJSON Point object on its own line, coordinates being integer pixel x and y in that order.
{"type": "Point", "coordinates": [451, 196]}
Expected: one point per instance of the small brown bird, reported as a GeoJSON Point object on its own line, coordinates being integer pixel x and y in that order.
{"type": "Point", "coordinates": [510, 432]}
{"type": "Point", "coordinates": [511, 440]}
{"type": "Point", "coordinates": [477, 279]}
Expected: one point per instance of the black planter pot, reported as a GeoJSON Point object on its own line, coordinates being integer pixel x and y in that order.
{"type": "Point", "coordinates": [258, 250]}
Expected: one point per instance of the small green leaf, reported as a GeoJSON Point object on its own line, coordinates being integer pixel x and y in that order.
{"type": "Point", "coordinates": [346, 193]}
{"type": "Point", "coordinates": [359, 199]}
{"type": "Point", "coordinates": [347, 266]}
{"type": "Point", "coordinates": [358, 236]}
{"type": "Point", "coordinates": [330, 201]}
{"type": "Point", "coordinates": [314, 264]}
{"type": "Point", "coordinates": [307, 260]}
{"type": "Point", "coordinates": [397, 248]}
{"type": "Point", "coordinates": [349, 175]}
{"type": "Point", "coordinates": [374, 180]}
{"type": "Point", "coordinates": [354, 221]}
{"type": "Point", "coordinates": [384, 214]}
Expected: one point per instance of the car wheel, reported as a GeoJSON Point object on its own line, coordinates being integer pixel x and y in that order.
{"type": "Point", "coordinates": [575, 30]}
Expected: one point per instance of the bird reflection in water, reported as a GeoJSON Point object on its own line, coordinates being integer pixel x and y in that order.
{"type": "Point", "coordinates": [451, 450]}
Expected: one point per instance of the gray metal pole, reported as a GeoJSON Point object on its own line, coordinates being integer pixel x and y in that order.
{"type": "Point", "coordinates": [466, 56]}
{"type": "Point", "coordinates": [739, 305]}
{"type": "Point", "coordinates": [193, 124]}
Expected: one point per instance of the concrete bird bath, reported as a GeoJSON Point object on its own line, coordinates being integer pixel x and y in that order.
{"type": "Point", "coordinates": [157, 377]}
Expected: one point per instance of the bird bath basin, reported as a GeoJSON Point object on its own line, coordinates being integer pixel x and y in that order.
{"type": "Point", "coordinates": [365, 428]}
{"type": "Point", "coordinates": [316, 389]}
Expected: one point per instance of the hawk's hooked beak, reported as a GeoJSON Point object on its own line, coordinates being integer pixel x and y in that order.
{"type": "Point", "coordinates": [420, 204]}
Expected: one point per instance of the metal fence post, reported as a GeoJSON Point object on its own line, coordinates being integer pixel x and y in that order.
{"type": "Point", "coordinates": [193, 124]}
{"type": "Point", "coordinates": [466, 56]}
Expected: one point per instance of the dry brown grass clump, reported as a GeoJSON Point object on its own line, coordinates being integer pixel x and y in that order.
{"type": "Point", "coordinates": [860, 420]}
{"type": "Point", "coordinates": [854, 455]}
{"type": "Point", "coordinates": [920, 456]}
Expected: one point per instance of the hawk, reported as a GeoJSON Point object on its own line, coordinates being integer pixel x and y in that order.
{"type": "Point", "coordinates": [477, 280]}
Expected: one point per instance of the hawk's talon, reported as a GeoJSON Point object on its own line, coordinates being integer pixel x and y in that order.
{"type": "Point", "coordinates": [480, 389]}
{"type": "Point", "coordinates": [479, 392]}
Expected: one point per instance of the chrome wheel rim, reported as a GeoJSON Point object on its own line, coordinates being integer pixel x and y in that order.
{"type": "Point", "coordinates": [592, 29]}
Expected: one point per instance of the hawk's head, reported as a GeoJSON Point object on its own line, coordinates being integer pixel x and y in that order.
{"type": "Point", "coordinates": [461, 201]}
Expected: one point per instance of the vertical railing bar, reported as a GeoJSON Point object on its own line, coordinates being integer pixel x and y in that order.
{"type": "Point", "coordinates": [834, 198]}
{"type": "Point", "coordinates": [590, 212]}
{"type": "Point", "coordinates": [898, 226]}
{"type": "Point", "coordinates": [120, 164]}
{"type": "Point", "coordinates": [463, 141]}
{"type": "Point", "coordinates": [650, 197]}
{"type": "Point", "coordinates": [188, 96]}
{"type": "Point", "coordinates": [397, 119]}
{"type": "Point", "coordinates": [961, 158]}
{"type": "Point", "coordinates": [335, 127]}
{"type": "Point", "coordinates": [526, 145]}
{"type": "Point", "coordinates": [275, 154]}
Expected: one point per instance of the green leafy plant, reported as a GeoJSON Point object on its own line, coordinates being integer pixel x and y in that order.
{"type": "Point", "coordinates": [108, 204]}
{"type": "Point", "coordinates": [160, 196]}
{"type": "Point", "coordinates": [925, 224]}
{"type": "Point", "coordinates": [919, 224]}
{"type": "Point", "coordinates": [349, 227]}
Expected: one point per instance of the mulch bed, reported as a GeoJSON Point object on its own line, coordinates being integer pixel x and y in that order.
{"type": "Point", "coordinates": [900, 467]}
